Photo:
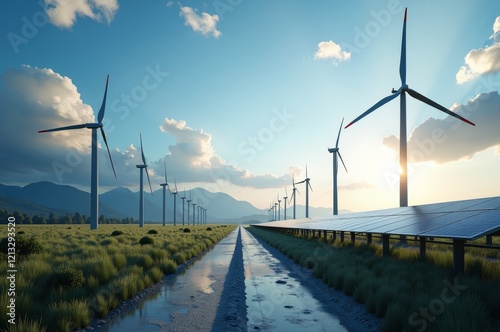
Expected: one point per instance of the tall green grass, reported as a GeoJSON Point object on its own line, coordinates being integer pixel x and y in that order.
{"type": "Point", "coordinates": [402, 288]}
{"type": "Point", "coordinates": [82, 274]}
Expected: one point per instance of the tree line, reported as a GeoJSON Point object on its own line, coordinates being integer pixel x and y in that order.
{"type": "Point", "coordinates": [67, 219]}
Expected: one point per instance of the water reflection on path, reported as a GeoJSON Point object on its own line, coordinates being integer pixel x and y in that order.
{"type": "Point", "coordinates": [177, 297]}
{"type": "Point", "coordinates": [276, 300]}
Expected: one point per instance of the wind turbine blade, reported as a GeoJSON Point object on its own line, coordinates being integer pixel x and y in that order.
{"type": "Point", "coordinates": [402, 62]}
{"type": "Point", "coordinates": [175, 182]}
{"type": "Point", "coordinates": [426, 100]}
{"type": "Point", "coordinates": [165, 164]}
{"type": "Point", "coordinates": [342, 161]}
{"type": "Point", "coordinates": [306, 171]}
{"type": "Point", "coordinates": [80, 126]}
{"type": "Point", "coordinates": [107, 148]}
{"type": "Point", "coordinates": [300, 182]}
{"type": "Point", "coordinates": [142, 152]}
{"type": "Point", "coordinates": [286, 192]}
{"type": "Point", "coordinates": [100, 115]}
{"type": "Point", "coordinates": [383, 101]}
{"type": "Point", "coordinates": [309, 184]}
{"type": "Point", "coordinates": [150, 188]}
{"type": "Point", "coordinates": [338, 136]}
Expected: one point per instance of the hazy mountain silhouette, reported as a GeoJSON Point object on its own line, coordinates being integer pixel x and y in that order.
{"type": "Point", "coordinates": [45, 197]}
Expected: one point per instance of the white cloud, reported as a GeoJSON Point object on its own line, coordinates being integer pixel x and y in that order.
{"type": "Point", "coordinates": [63, 13]}
{"type": "Point", "coordinates": [450, 139]}
{"type": "Point", "coordinates": [482, 61]}
{"type": "Point", "coordinates": [205, 23]}
{"type": "Point", "coordinates": [331, 50]}
{"type": "Point", "coordinates": [357, 186]}
{"type": "Point", "coordinates": [193, 158]}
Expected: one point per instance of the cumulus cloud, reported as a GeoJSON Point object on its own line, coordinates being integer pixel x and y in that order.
{"type": "Point", "coordinates": [357, 186]}
{"type": "Point", "coordinates": [63, 13]}
{"type": "Point", "coordinates": [205, 23]}
{"type": "Point", "coordinates": [482, 61]}
{"type": "Point", "coordinates": [33, 99]}
{"type": "Point", "coordinates": [331, 50]}
{"type": "Point", "coordinates": [450, 139]}
{"type": "Point", "coordinates": [193, 159]}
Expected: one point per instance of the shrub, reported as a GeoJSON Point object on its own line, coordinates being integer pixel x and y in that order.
{"type": "Point", "coordinates": [117, 233]}
{"type": "Point", "coordinates": [152, 231]}
{"type": "Point", "coordinates": [66, 277]}
{"type": "Point", "coordinates": [24, 246]}
{"type": "Point", "coordinates": [209, 228]}
{"type": "Point", "coordinates": [146, 240]}
{"type": "Point", "coordinates": [187, 230]}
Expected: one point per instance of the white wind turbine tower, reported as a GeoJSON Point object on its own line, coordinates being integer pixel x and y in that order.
{"type": "Point", "coordinates": [183, 198]}
{"type": "Point", "coordinates": [308, 185]}
{"type": "Point", "coordinates": [403, 179]}
{"type": "Point", "coordinates": [189, 204]}
{"type": "Point", "coordinates": [94, 187]}
{"type": "Point", "coordinates": [284, 200]}
{"type": "Point", "coordinates": [194, 212]}
{"type": "Point", "coordinates": [279, 206]}
{"type": "Point", "coordinates": [293, 194]}
{"type": "Point", "coordinates": [164, 185]}
{"type": "Point", "coordinates": [175, 202]}
{"type": "Point", "coordinates": [142, 167]}
{"type": "Point", "coordinates": [335, 151]}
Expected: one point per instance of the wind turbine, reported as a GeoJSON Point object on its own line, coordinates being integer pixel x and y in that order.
{"type": "Point", "coordinates": [293, 194]}
{"type": "Point", "coordinates": [164, 185]}
{"type": "Point", "coordinates": [189, 203]}
{"type": "Point", "coordinates": [403, 180]}
{"type": "Point", "coordinates": [336, 152]}
{"type": "Point", "coordinates": [94, 176]}
{"type": "Point", "coordinates": [284, 199]}
{"type": "Point", "coordinates": [175, 202]}
{"type": "Point", "coordinates": [183, 198]}
{"type": "Point", "coordinates": [308, 185]}
{"type": "Point", "coordinates": [141, 191]}
{"type": "Point", "coordinates": [194, 213]}
{"type": "Point", "coordinates": [279, 206]}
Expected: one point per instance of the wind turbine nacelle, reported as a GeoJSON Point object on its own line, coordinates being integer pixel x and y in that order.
{"type": "Point", "coordinates": [141, 166]}
{"type": "Point", "coordinates": [331, 150]}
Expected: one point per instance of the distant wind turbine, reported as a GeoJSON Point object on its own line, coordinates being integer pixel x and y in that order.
{"type": "Point", "coordinates": [164, 185]}
{"type": "Point", "coordinates": [175, 202]}
{"type": "Point", "coordinates": [142, 167]}
{"type": "Point", "coordinates": [189, 204]}
{"type": "Point", "coordinates": [335, 151]}
{"type": "Point", "coordinates": [183, 198]}
{"type": "Point", "coordinates": [403, 180]}
{"type": "Point", "coordinates": [308, 185]}
{"type": "Point", "coordinates": [284, 199]}
{"type": "Point", "coordinates": [94, 188]}
{"type": "Point", "coordinates": [294, 195]}
{"type": "Point", "coordinates": [279, 206]}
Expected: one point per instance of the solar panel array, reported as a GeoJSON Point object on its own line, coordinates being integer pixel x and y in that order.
{"type": "Point", "coordinates": [464, 220]}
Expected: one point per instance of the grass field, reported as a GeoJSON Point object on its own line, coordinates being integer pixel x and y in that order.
{"type": "Point", "coordinates": [410, 294]}
{"type": "Point", "coordinates": [77, 274]}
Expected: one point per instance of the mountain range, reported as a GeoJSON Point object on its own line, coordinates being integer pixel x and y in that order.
{"type": "Point", "coordinates": [45, 197]}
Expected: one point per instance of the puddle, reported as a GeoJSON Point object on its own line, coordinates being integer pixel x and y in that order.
{"type": "Point", "coordinates": [178, 296]}
{"type": "Point", "coordinates": [276, 300]}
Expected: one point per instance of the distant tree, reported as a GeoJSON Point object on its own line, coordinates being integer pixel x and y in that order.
{"type": "Point", "coordinates": [78, 218]}
{"type": "Point", "coordinates": [38, 220]}
{"type": "Point", "coordinates": [19, 217]}
{"type": "Point", "coordinates": [66, 219]}
{"type": "Point", "coordinates": [52, 218]}
{"type": "Point", "coordinates": [102, 219]}
{"type": "Point", "coordinates": [28, 220]}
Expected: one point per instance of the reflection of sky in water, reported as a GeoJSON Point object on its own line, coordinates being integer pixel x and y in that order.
{"type": "Point", "coordinates": [276, 300]}
{"type": "Point", "coordinates": [175, 295]}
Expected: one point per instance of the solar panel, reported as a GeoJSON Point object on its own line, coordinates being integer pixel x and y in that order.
{"type": "Point", "coordinates": [467, 220]}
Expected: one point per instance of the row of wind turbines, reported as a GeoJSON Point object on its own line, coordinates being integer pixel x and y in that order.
{"type": "Point", "coordinates": [94, 185]}
{"type": "Point", "coordinates": [275, 209]}
{"type": "Point", "coordinates": [403, 163]}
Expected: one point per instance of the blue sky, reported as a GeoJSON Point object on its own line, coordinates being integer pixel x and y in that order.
{"type": "Point", "coordinates": [237, 96]}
